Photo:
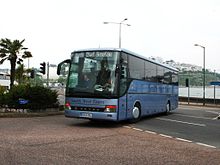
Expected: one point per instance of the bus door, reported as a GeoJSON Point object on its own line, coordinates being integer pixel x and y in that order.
{"type": "Point", "coordinates": [123, 83]}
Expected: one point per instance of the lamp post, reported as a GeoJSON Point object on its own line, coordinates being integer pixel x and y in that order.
{"type": "Point", "coordinates": [214, 86]}
{"type": "Point", "coordinates": [203, 71]}
{"type": "Point", "coordinates": [119, 23]}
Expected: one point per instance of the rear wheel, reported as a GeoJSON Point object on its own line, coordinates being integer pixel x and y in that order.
{"type": "Point", "coordinates": [168, 108]}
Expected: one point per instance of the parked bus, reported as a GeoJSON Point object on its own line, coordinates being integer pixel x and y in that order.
{"type": "Point", "coordinates": [117, 84]}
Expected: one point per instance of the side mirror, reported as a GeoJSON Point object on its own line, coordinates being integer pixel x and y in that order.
{"type": "Point", "coordinates": [61, 64]}
{"type": "Point", "coordinates": [58, 69]}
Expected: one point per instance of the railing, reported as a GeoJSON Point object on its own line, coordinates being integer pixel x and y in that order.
{"type": "Point", "coordinates": [199, 101]}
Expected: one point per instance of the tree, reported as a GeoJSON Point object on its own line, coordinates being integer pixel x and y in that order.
{"type": "Point", "coordinates": [21, 74]}
{"type": "Point", "coordinates": [15, 52]}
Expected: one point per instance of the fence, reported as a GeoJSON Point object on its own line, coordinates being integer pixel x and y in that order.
{"type": "Point", "coordinates": [199, 101]}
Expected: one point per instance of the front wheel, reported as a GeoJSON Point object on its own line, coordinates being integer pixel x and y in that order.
{"type": "Point", "coordinates": [136, 114]}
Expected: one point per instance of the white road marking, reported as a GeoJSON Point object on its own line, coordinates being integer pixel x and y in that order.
{"type": "Point", "coordinates": [167, 136]}
{"type": "Point", "coordinates": [183, 122]}
{"type": "Point", "coordinates": [150, 132]}
{"type": "Point", "coordinates": [206, 145]}
{"type": "Point", "coordinates": [216, 118]}
{"type": "Point", "coordinates": [137, 129]}
{"type": "Point", "coordinates": [213, 112]}
{"type": "Point", "coordinates": [217, 113]}
{"type": "Point", "coordinates": [127, 127]}
{"type": "Point", "coordinates": [184, 140]}
{"type": "Point", "coordinates": [196, 117]}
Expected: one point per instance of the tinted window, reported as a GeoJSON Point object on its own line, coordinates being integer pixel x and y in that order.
{"type": "Point", "coordinates": [167, 76]}
{"type": "Point", "coordinates": [136, 66]}
{"type": "Point", "coordinates": [150, 71]}
{"type": "Point", "coordinates": [174, 78]}
{"type": "Point", "coordinates": [160, 74]}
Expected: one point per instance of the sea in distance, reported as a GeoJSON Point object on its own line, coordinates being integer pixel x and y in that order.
{"type": "Point", "coordinates": [198, 92]}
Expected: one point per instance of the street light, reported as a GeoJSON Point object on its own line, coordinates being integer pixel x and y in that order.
{"type": "Point", "coordinates": [203, 71]}
{"type": "Point", "coordinates": [119, 23]}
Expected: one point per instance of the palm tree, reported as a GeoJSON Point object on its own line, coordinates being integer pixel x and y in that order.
{"type": "Point", "coordinates": [15, 52]}
{"type": "Point", "coordinates": [21, 74]}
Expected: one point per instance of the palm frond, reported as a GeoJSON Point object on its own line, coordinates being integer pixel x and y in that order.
{"type": "Point", "coordinates": [2, 60]}
{"type": "Point", "coordinates": [27, 54]}
{"type": "Point", "coordinates": [24, 48]}
{"type": "Point", "coordinates": [20, 60]}
{"type": "Point", "coordinates": [2, 55]}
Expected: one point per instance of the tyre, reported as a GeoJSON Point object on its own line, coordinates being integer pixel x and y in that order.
{"type": "Point", "coordinates": [136, 114]}
{"type": "Point", "coordinates": [168, 108]}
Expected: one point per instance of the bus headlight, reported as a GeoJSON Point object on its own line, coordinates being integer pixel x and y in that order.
{"type": "Point", "coordinates": [110, 108]}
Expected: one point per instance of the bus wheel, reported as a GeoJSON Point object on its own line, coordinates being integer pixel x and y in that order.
{"type": "Point", "coordinates": [136, 114]}
{"type": "Point", "coordinates": [168, 108]}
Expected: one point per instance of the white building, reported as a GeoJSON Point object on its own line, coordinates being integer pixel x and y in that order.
{"type": "Point", "coordinates": [4, 80]}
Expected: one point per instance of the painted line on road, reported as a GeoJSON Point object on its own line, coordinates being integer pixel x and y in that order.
{"type": "Point", "coordinates": [137, 129]}
{"type": "Point", "coordinates": [151, 132]}
{"type": "Point", "coordinates": [183, 122]}
{"type": "Point", "coordinates": [195, 108]}
{"type": "Point", "coordinates": [127, 126]}
{"type": "Point", "coordinates": [214, 112]}
{"type": "Point", "coordinates": [216, 118]}
{"type": "Point", "coordinates": [167, 136]}
{"type": "Point", "coordinates": [196, 117]}
{"type": "Point", "coordinates": [206, 145]}
{"type": "Point", "coordinates": [184, 140]}
{"type": "Point", "coordinates": [170, 137]}
{"type": "Point", "coordinates": [217, 113]}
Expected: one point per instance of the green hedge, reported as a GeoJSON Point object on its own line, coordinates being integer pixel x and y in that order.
{"type": "Point", "coordinates": [37, 98]}
{"type": "Point", "coordinates": [2, 91]}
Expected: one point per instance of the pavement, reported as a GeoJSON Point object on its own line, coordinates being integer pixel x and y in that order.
{"type": "Point", "coordinates": [217, 106]}
{"type": "Point", "coordinates": [22, 114]}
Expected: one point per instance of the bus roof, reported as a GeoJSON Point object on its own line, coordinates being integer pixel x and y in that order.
{"type": "Point", "coordinates": [126, 51]}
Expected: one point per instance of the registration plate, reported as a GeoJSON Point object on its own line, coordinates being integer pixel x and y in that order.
{"type": "Point", "coordinates": [86, 115]}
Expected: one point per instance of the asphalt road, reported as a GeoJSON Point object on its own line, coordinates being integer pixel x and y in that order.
{"type": "Point", "coordinates": [192, 124]}
{"type": "Point", "coordinates": [60, 140]}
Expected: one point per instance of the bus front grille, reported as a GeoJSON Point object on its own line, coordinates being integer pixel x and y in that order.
{"type": "Point", "coordinates": [93, 109]}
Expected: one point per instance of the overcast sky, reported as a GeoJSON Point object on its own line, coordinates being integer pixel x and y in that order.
{"type": "Point", "coordinates": [52, 29]}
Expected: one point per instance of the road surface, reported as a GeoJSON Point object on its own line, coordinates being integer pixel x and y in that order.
{"type": "Point", "coordinates": [193, 124]}
{"type": "Point", "coordinates": [60, 140]}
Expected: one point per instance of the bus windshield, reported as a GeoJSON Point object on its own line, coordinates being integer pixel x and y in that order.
{"type": "Point", "coordinates": [93, 74]}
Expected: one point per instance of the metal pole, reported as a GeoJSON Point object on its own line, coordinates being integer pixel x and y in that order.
{"type": "Point", "coordinates": [119, 23]}
{"type": "Point", "coordinates": [47, 74]}
{"type": "Point", "coordinates": [28, 63]}
{"type": "Point", "coordinates": [188, 94]}
{"type": "Point", "coordinates": [119, 35]}
{"type": "Point", "coordinates": [203, 71]}
{"type": "Point", "coordinates": [188, 90]}
{"type": "Point", "coordinates": [214, 87]}
{"type": "Point", "coordinates": [203, 75]}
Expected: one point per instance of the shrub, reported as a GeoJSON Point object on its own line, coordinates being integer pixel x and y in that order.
{"type": "Point", "coordinates": [41, 98]}
{"type": "Point", "coordinates": [2, 91]}
{"type": "Point", "coordinates": [16, 93]}
{"type": "Point", "coordinates": [38, 97]}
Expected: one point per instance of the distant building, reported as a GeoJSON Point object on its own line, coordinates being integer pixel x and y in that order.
{"type": "Point", "coordinates": [4, 78]}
